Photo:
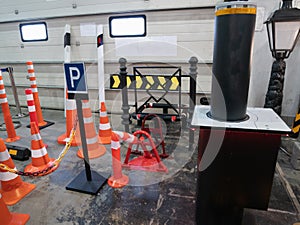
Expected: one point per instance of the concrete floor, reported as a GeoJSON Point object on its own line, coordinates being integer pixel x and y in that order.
{"type": "Point", "coordinates": [149, 198]}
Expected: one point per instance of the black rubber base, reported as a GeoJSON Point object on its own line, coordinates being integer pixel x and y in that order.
{"type": "Point", "coordinates": [81, 184]}
{"type": "Point", "coordinates": [49, 123]}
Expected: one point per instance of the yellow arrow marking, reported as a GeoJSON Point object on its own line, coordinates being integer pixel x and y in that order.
{"type": "Point", "coordinates": [116, 82]}
{"type": "Point", "coordinates": [128, 82]}
{"type": "Point", "coordinates": [139, 82]}
{"type": "Point", "coordinates": [175, 83]}
{"type": "Point", "coordinates": [162, 81]}
{"type": "Point", "coordinates": [150, 80]}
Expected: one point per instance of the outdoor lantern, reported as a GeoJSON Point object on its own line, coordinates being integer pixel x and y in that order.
{"type": "Point", "coordinates": [283, 28]}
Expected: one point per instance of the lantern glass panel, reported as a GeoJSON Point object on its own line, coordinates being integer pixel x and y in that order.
{"type": "Point", "coordinates": [286, 34]}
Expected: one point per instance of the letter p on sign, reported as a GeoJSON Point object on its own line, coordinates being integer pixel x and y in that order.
{"type": "Point", "coordinates": [75, 78]}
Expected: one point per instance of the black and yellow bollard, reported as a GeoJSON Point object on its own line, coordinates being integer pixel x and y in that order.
{"type": "Point", "coordinates": [234, 30]}
{"type": "Point", "coordinates": [296, 126]}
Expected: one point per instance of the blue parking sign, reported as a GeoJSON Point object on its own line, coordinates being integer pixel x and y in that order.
{"type": "Point", "coordinates": [75, 77]}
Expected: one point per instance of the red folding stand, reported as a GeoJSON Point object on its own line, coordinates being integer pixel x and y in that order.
{"type": "Point", "coordinates": [150, 160]}
{"type": "Point", "coordinates": [155, 132]}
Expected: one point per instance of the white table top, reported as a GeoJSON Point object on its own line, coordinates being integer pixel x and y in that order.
{"type": "Point", "coordinates": [260, 119]}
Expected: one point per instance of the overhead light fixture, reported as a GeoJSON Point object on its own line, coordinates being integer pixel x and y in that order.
{"type": "Point", "coordinates": [127, 26]}
{"type": "Point", "coordinates": [36, 31]}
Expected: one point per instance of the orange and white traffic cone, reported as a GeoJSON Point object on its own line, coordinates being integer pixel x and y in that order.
{"type": "Point", "coordinates": [13, 188]}
{"type": "Point", "coordinates": [104, 126]}
{"type": "Point", "coordinates": [70, 118]}
{"type": "Point", "coordinates": [40, 159]}
{"type": "Point", "coordinates": [8, 218]}
{"type": "Point", "coordinates": [31, 106]}
{"type": "Point", "coordinates": [10, 129]}
{"type": "Point", "coordinates": [118, 179]}
{"type": "Point", "coordinates": [95, 149]}
{"type": "Point", "coordinates": [41, 122]}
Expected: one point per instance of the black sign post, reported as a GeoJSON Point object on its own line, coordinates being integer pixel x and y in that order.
{"type": "Point", "coordinates": [87, 181]}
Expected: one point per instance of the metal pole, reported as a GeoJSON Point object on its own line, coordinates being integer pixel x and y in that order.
{"type": "Point", "coordinates": [83, 140]}
{"type": "Point", "coordinates": [125, 107]}
{"type": "Point", "coordinates": [193, 78]}
{"type": "Point", "coordinates": [14, 89]}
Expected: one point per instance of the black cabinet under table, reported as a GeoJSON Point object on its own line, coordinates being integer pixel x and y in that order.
{"type": "Point", "coordinates": [236, 164]}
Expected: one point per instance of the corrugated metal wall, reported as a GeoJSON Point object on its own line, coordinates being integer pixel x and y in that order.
{"type": "Point", "coordinates": [31, 9]}
{"type": "Point", "coordinates": [190, 22]}
{"type": "Point", "coordinates": [193, 29]}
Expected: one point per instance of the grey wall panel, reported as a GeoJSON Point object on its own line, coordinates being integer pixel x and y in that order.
{"type": "Point", "coordinates": [34, 9]}
{"type": "Point", "coordinates": [193, 29]}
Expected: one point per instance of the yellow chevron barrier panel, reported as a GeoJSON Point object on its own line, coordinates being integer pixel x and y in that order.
{"type": "Point", "coordinates": [128, 82]}
{"type": "Point", "coordinates": [153, 82]}
{"type": "Point", "coordinates": [162, 81]}
{"type": "Point", "coordinates": [175, 83]}
{"type": "Point", "coordinates": [116, 83]}
{"type": "Point", "coordinates": [139, 82]}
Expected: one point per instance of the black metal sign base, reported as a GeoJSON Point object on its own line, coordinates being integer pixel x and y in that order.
{"type": "Point", "coordinates": [88, 181]}
{"type": "Point", "coordinates": [81, 184]}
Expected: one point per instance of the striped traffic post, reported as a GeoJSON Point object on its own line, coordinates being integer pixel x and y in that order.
{"type": "Point", "coordinates": [118, 179]}
{"type": "Point", "coordinates": [67, 59]}
{"type": "Point", "coordinates": [70, 104]}
{"type": "Point", "coordinates": [10, 129]}
{"type": "Point", "coordinates": [31, 107]}
{"type": "Point", "coordinates": [31, 76]}
{"type": "Point", "coordinates": [101, 80]}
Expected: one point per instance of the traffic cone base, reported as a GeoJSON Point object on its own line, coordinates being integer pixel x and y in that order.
{"type": "Point", "coordinates": [118, 183]}
{"type": "Point", "coordinates": [32, 169]}
{"type": "Point", "coordinates": [15, 195]}
{"type": "Point", "coordinates": [93, 153]}
{"type": "Point", "coordinates": [12, 139]}
{"type": "Point", "coordinates": [146, 164]}
{"type": "Point", "coordinates": [63, 139]}
{"type": "Point", "coordinates": [18, 219]}
{"type": "Point", "coordinates": [45, 124]}
{"type": "Point", "coordinates": [41, 124]}
{"type": "Point", "coordinates": [8, 218]}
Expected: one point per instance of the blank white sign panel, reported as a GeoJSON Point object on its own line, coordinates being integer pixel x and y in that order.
{"type": "Point", "coordinates": [147, 46]}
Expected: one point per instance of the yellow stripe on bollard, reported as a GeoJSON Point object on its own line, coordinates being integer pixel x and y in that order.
{"type": "Point", "coordinates": [229, 11]}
